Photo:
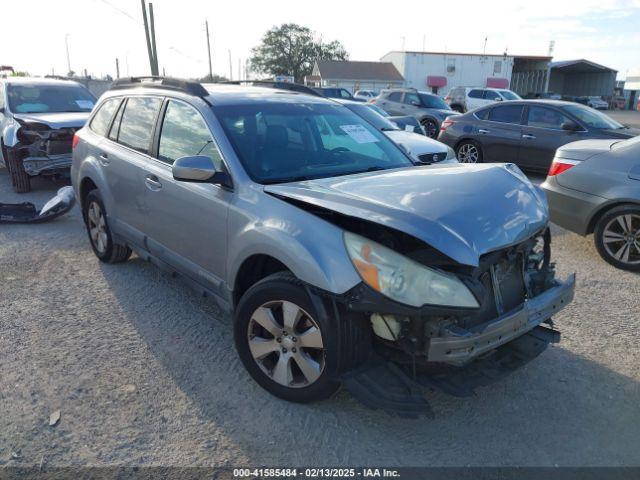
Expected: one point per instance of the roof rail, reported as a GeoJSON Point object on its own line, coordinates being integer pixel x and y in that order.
{"type": "Point", "coordinates": [168, 83]}
{"type": "Point", "coordinates": [293, 87]}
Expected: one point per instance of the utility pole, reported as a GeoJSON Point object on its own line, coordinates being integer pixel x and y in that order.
{"type": "Point", "coordinates": [117, 68]}
{"type": "Point", "coordinates": [230, 67]}
{"type": "Point", "coordinates": [66, 42]}
{"type": "Point", "coordinates": [153, 39]}
{"type": "Point", "coordinates": [151, 53]}
{"type": "Point", "coordinates": [206, 26]}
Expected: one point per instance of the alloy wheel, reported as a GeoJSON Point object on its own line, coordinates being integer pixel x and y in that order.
{"type": "Point", "coordinates": [97, 227]}
{"type": "Point", "coordinates": [621, 238]}
{"type": "Point", "coordinates": [468, 153]}
{"type": "Point", "coordinates": [286, 343]}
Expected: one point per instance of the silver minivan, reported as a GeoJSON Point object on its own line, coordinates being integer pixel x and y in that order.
{"type": "Point", "coordinates": [342, 262]}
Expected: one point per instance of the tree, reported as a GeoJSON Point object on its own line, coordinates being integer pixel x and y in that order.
{"type": "Point", "coordinates": [292, 49]}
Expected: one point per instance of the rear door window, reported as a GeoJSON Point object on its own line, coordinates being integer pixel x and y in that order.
{"type": "Point", "coordinates": [138, 120]}
{"type": "Point", "coordinates": [475, 93]}
{"type": "Point", "coordinates": [543, 117]}
{"type": "Point", "coordinates": [184, 134]}
{"type": "Point", "coordinates": [506, 114]}
{"type": "Point", "coordinates": [102, 119]}
{"type": "Point", "coordinates": [411, 99]}
{"type": "Point", "coordinates": [482, 114]}
{"type": "Point", "coordinates": [491, 95]}
{"type": "Point", "coordinates": [395, 96]}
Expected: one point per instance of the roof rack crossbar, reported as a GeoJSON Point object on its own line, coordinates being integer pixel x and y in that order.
{"type": "Point", "coordinates": [293, 87]}
{"type": "Point", "coordinates": [153, 81]}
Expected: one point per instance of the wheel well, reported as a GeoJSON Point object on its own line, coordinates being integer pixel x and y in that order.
{"type": "Point", "coordinates": [598, 215]}
{"type": "Point", "coordinates": [252, 270]}
{"type": "Point", "coordinates": [455, 147]}
{"type": "Point", "coordinates": [85, 187]}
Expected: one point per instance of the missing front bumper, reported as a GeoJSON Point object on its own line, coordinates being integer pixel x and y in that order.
{"type": "Point", "coordinates": [462, 346]}
{"type": "Point", "coordinates": [46, 164]}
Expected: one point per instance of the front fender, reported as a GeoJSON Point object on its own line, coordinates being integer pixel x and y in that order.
{"type": "Point", "coordinates": [311, 248]}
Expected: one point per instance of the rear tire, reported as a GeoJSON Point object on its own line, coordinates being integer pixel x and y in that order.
{"type": "Point", "coordinates": [95, 219]}
{"type": "Point", "coordinates": [617, 237]}
{"type": "Point", "coordinates": [430, 127]}
{"type": "Point", "coordinates": [290, 359]}
{"type": "Point", "coordinates": [469, 151]}
{"type": "Point", "coordinates": [20, 179]}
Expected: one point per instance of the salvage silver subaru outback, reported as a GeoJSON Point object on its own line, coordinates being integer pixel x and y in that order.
{"type": "Point", "coordinates": [342, 262]}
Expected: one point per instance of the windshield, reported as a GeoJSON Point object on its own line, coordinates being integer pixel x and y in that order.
{"type": "Point", "coordinates": [49, 98]}
{"type": "Point", "coordinates": [371, 115]}
{"type": "Point", "coordinates": [593, 118]}
{"type": "Point", "coordinates": [285, 142]}
{"type": "Point", "coordinates": [433, 101]}
{"type": "Point", "coordinates": [509, 95]}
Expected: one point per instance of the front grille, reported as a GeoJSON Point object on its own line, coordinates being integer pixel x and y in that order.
{"type": "Point", "coordinates": [429, 158]}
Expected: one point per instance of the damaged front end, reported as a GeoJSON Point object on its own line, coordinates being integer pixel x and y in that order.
{"type": "Point", "coordinates": [44, 150]}
{"type": "Point", "coordinates": [458, 349]}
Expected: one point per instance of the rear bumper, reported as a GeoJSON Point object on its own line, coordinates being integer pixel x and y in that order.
{"type": "Point", "coordinates": [460, 348]}
{"type": "Point", "coordinates": [569, 208]}
{"type": "Point", "coordinates": [43, 165]}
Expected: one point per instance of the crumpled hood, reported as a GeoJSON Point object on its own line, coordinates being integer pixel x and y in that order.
{"type": "Point", "coordinates": [464, 211]}
{"type": "Point", "coordinates": [56, 120]}
{"type": "Point", "coordinates": [584, 149]}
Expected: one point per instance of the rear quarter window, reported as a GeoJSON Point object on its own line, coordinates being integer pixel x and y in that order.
{"type": "Point", "coordinates": [102, 119]}
{"type": "Point", "coordinates": [482, 114]}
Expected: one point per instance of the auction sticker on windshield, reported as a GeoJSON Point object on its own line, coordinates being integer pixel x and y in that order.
{"type": "Point", "coordinates": [359, 133]}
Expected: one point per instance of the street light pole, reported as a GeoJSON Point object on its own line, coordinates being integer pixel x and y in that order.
{"type": "Point", "coordinates": [206, 26]}
{"type": "Point", "coordinates": [66, 42]}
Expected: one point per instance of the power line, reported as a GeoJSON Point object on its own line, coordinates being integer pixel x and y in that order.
{"type": "Point", "coordinates": [131, 17]}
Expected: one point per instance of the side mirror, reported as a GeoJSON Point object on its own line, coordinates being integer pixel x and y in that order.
{"type": "Point", "coordinates": [570, 126]}
{"type": "Point", "coordinates": [498, 99]}
{"type": "Point", "coordinates": [199, 169]}
{"type": "Point", "coordinates": [415, 103]}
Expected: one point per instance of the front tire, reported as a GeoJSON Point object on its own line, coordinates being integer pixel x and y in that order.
{"type": "Point", "coordinates": [469, 151]}
{"type": "Point", "coordinates": [95, 219]}
{"type": "Point", "coordinates": [19, 177]}
{"type": "Point", "coordinates": [617, 237]}
{"type": "Point", "coordinates": [284, 342]}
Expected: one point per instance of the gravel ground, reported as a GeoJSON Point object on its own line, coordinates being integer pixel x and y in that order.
{"type": "Point", "coordinates": [143, 372]}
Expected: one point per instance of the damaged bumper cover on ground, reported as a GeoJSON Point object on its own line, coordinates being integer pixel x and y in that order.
{"type": "Point", "coordinates": [27, 212]}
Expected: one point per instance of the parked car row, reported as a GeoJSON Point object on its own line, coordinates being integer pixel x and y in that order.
{"type": "Point", "coordinates": [349, 249]}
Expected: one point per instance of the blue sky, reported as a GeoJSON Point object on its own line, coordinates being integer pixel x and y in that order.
{"type": "Point", "coordinates": [604, 31]}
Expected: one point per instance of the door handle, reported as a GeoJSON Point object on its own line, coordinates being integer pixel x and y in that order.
{"type": "Point", "coordinates": [152, 182]}
{"type": "Point", "coordinates": [103, 159]}
{"type": "Point", "coordinates": [528, 136]}
{"type": "Point", "coordinates": [483, 131]}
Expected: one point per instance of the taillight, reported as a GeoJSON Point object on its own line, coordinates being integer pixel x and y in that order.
{"type": "Point", "coordinates": [75, 140]}
{"type": "Point", "coordinates": [446, 124]}
{"type": "Point", "coordinates": [561, 165]}
{"type": "Point", "coordinates": [447, 98]}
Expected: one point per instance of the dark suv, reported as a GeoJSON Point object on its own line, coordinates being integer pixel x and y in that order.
{"type": "Point", "coordinates": [428, 108]}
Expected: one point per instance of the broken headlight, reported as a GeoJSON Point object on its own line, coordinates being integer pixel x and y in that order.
{"type": "Point", "coordinates": [403, 279]}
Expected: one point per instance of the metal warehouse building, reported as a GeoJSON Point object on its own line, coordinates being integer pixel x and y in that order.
{"type": "Point", "coordinates": [582, 78]}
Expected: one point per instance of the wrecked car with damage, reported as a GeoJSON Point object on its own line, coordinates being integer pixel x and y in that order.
{"type": "Point", "coordinates": [342, 261]}
{"type": "Point", "coordinates": [38, 118]}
